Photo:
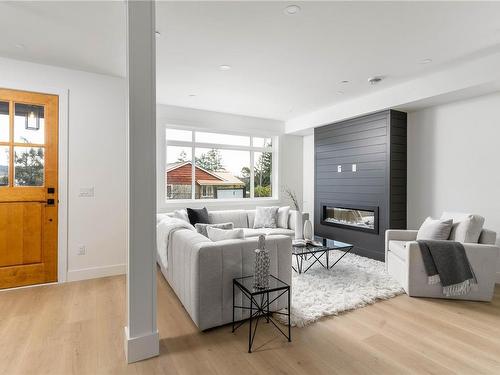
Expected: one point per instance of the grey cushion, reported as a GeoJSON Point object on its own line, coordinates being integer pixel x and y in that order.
{"type": "Point", "coordinates": [435, 229]}
{"type": "Point", "coordinates": [266, 217]}
{"type": "Point", "coordinates": [201, 228]}
{"type": "Point", "coordinates": [466, 227]}
{"type": "Point", "coordinates": [237, 217]}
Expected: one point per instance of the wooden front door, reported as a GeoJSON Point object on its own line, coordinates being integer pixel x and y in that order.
{"type": "Point", "coordinates": [28, 188]}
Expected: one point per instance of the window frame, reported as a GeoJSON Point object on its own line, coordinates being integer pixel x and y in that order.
{"type": "Point", "coordinates": [163, 143]}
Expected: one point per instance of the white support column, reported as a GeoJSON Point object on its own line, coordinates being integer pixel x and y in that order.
{"type": "Point", "coordinates": [141, 334]}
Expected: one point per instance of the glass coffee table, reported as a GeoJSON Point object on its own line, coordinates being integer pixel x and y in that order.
{"type": "Point", "coordinates": [309, 252]}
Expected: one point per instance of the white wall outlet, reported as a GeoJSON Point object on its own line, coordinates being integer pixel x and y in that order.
{"type": "Point", "coordinates": [354, 168]}
{"type": "Point", "coordinates": [82, 250]}
{"type": "Point", "coordinates": [339, 168]}
{"type": "Point", "coordinates": [86, 192]}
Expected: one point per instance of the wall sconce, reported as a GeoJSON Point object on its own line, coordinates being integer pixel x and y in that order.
{"type": "Point", "coordinates": [32, 119]}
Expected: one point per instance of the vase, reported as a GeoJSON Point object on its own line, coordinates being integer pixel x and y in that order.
{"type": "Point", "coordinates": [299, 226]}
{"type": "Point", "coordinates": [308, 230]}
{"type": "Point", "coordinates": [262, 264]}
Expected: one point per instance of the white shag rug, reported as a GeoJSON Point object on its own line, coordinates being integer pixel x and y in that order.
{"type": "Point", "coordinates": [354, 282]}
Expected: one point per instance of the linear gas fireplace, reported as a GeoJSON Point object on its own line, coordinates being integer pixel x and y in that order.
{"type": "Point", "coordinates": [360, 218]}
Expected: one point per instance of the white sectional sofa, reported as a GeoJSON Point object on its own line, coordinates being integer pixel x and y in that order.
{"type": "Point", "coordinates": [201, 271]}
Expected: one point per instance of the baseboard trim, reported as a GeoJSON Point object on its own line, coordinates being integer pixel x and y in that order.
{"type": "Point", "coordinates": [142, 347]}
{"type": "Point", "coordinates": [96, 272]}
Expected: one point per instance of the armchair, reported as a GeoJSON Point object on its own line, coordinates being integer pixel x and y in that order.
{"type": "Point", "coordinates": [404, 262]}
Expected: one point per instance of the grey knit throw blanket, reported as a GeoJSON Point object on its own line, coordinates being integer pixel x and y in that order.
{"type": "Point", "coordinates": [446, 262]}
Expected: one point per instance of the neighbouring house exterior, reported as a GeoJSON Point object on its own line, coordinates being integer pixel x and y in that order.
{"type": "Point", "coordinates": [208, 184]}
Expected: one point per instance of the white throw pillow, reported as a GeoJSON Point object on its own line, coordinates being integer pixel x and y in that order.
{"type": "Point", "coordinates": [266, 217]}
{"type": "Point", "coordinates": [181, 214]}
{"type": "Point", "coordinates": [283, 213]}
{"type": "Point", "coordinates": [466, 227]}
{"type": "Point", "coordinates": [215, 234]}
{"type": "Point", "coordinates": [435, 229]}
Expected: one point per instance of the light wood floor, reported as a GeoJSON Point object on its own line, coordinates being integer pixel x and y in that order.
{"type": "Point", "coordinates": [77, 328]}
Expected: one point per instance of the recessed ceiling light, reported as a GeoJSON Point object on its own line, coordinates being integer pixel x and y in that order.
{"type": "Point", "coordinates": [425, 61]}
{"type": "Point", "coordinates": [374, 80]}
{"type": "Point", "coordinates": [225, 67]}
{"type": "Point", "coordinates": [192, 95]}
{"type": "Point", "coordinates": [344, 82]}
{"type": "Point", "coordinates": [292, 9]}
{"type": "Point", "coordinates": [20, 46]}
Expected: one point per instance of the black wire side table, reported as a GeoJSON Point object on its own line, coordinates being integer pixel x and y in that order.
{"type": "Point", "coordinates": [259, 305]}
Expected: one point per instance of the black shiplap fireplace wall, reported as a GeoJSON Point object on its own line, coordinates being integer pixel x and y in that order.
{"type": "Point", "coordinates": [376, 145]}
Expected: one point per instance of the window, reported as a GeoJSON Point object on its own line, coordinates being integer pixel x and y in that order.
{"type": "Point", "coordinates": [204, 165]}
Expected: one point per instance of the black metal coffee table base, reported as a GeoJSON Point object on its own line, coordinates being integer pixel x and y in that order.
{"type": "Point", "coordinates": [299, 258]}
{"type": "Point", "coordinates": [312, 251]}
{"type": "Point", "coordinates": [259, 306]}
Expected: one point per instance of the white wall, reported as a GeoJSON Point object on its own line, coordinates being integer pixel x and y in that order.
{"type": "Point", "coordinates": [97, 157]}
{"type": "Point", "coordinates": [289, 148]}
{"type": "Point", "coordinates": [453, 160]}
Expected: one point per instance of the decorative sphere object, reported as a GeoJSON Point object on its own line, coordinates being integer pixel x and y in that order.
{"type": "Point", "coordinates": [262, 265]}
{"type": "Point", "coordinates": [308, 230]}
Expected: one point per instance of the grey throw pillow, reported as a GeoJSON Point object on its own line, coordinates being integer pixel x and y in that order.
{"type": "Point", "coordinates": [435, 229]}
{"type": "Point", "coordinates": [266, 217]}
{"type": "Point", "coordinates": [202, 228]}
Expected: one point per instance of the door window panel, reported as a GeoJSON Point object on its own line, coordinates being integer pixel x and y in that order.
{"type": "Point", "coordinates": [28, 166]}
{"type": "Point", "coordinates": [4, 122]}
{"type": "Point", "coordinates": [4, 165]}
{"type": "Point", "coordinates": [29, 124]}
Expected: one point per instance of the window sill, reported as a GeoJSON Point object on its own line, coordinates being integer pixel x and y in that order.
{"type": "Point", "coordinates": [178, 203]}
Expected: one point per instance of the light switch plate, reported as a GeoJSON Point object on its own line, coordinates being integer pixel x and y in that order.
{"type": "Point", "coordinates": [86, 192]}
{"type": "Point", "coordinates": [82, 250]}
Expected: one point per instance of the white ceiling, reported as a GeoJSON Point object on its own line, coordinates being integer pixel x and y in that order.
{"type": "Point", "coordinates": [80, 35]}
{"type": "Point", "coordinates": [282, 66]}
